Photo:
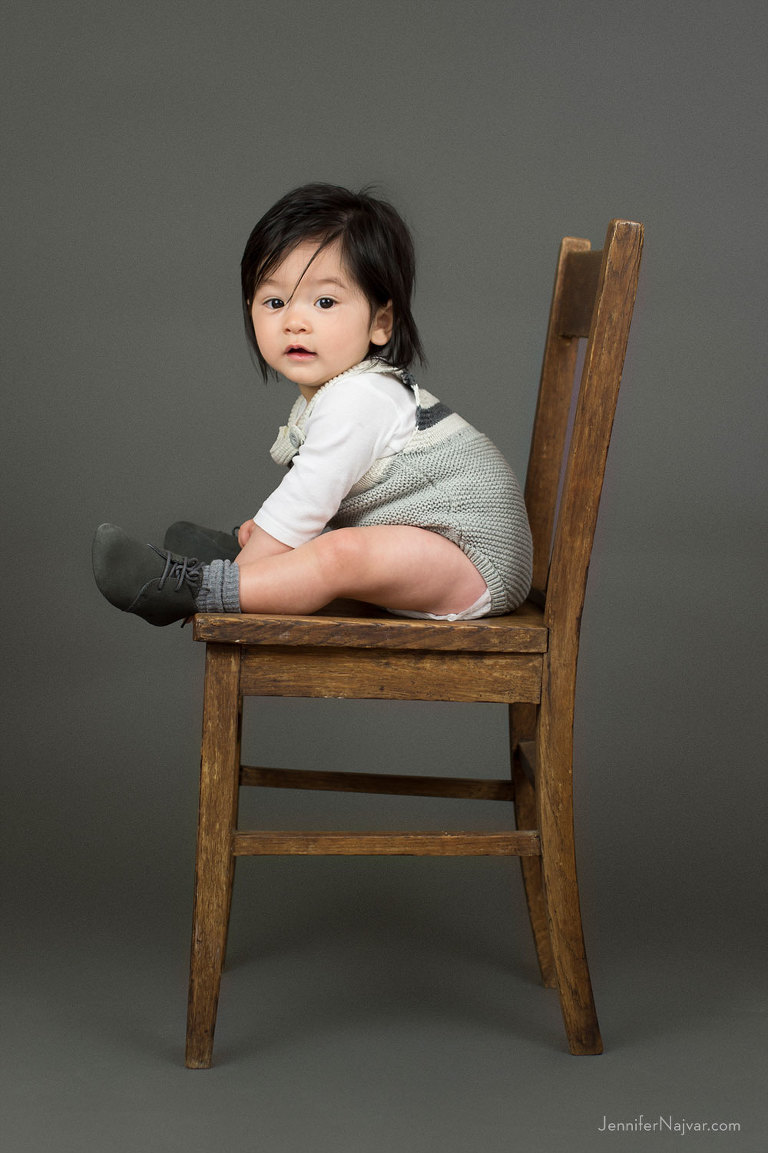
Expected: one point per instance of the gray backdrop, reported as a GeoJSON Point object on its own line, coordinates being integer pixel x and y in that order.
{"type": "Point", "coordinates": [374, 1005]}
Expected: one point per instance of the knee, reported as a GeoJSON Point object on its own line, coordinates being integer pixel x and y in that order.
{"type": "Point", "coordinates": [340, 552]}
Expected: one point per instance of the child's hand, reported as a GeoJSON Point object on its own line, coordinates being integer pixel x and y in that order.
{"type": "Point", "coordinates": [245, 531]}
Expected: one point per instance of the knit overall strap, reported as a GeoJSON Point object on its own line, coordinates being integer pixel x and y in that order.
{"type": "Point", "coordinates": [292, 435]}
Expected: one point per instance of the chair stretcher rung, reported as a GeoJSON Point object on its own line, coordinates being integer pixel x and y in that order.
{"type": "Point", "coordinates": [467, 788]}
{"type": "Point", "coordinates": [519, 843]}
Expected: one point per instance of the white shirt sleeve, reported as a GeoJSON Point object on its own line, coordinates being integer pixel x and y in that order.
{"type": "Point", "coordinates": [352, 424]}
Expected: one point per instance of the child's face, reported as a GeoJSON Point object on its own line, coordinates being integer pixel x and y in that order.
{"type": "Point", "coordinates": [312, 327]}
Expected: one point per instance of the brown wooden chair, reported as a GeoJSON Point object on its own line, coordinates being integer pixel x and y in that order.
{"type": "Point", "coordinates": [526, 660]}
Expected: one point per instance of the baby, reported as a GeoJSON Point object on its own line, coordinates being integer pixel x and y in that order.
{"type": "Point", "coordinates": [388, 497]}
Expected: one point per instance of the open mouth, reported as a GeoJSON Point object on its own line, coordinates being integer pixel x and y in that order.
{"type": "Point", "coordinates": [298, 352]}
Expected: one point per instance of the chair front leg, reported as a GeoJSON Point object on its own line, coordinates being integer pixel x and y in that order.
{"type": "Point", "coordinates": [214, 868]}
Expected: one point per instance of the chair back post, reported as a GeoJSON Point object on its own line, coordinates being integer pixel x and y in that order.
{"type": "Point", "coordinates": [593, 300]}
{"type": "Point", "coordinates": [611, 316]}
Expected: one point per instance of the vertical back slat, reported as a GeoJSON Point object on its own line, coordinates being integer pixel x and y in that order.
{"type": "Point", "coordinates": [577, 299]}
{"type": "Point", "coordinates": [551, 421]}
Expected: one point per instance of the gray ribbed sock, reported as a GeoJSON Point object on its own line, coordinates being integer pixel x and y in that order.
{"type": "Point", "coordinates": [220, 589]}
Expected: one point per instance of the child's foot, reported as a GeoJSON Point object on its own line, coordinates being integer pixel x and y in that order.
{"type": "Point", "coordinates": [139, 578]}
{"type": "Point", "coordinates": [187, 539]}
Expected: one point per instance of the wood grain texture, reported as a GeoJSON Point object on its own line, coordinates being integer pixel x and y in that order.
{"type": "Point", "coordinates": [576, 302]}
{"type": "Point", "coordinates": [526, 752]}
{"type": "Point", "coordinates": [550, 425]}
{"type": "Point", "coordinates": [219, 774]}
{"type": "Point", "coordinates": [573, 538]}
{"type": "Point", "coordinates": [554, 820]}
{"type": "Point", "coordinates": [593, 422]}
{"type": "Point", "coordinates": [523, 725]}
{"type": "Point", "coordinates": [389, 675]}
{"type": "Point", "coordinates": [389, 844]}
{"type": "Point", "coordinates": [393, 784]}
{"type": "Point", "coordinates": [520, 632]}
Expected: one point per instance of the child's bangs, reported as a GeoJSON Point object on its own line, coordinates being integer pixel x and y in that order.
{"type": "Point", "coordinates": [284, 246]}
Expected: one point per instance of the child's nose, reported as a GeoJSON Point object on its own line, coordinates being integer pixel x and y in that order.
{"type": "Point", "coordinates": [295, 319]}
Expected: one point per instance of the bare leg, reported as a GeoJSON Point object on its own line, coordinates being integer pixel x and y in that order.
{"type": "Point", "coordinates": [397, 566]}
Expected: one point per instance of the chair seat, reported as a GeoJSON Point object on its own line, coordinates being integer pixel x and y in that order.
{"type": "Point", "coordinates": [351, 624]}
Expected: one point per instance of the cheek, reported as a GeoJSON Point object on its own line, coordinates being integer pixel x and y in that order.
{"type": "Point", "coordinates": [261, 326]}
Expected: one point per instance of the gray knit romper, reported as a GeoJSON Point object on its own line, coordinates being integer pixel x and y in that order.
{"type": "Point", "coordinates": [449, 478]}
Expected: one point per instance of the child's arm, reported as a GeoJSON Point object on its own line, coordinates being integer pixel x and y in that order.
{"type": "Point", "coordinates": [256, 543]}
{"type": "Point", "coordinates": [351, 426]}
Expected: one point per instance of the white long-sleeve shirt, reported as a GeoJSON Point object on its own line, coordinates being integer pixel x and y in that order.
{"type": "Point", "coordinates": [352, 422]}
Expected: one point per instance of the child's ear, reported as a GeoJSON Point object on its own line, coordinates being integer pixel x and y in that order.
{"type": "Point", "coordinates": [381, 325]}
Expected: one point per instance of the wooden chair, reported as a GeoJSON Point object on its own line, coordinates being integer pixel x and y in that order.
{"type": "Point", "coordinates": [526, 660]}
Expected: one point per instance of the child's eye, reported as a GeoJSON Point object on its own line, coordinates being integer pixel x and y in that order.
{"type": "Point", "coordinates": [274, 302]}
{"type": "Point", "coordinates": [325, 302]}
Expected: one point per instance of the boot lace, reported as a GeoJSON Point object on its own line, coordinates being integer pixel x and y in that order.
{"type": "Point", "coordinates": [183, 570]}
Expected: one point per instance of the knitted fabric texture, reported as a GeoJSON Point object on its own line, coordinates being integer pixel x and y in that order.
{"type": "Point", "coordinates": [449, 479]}
{"type": "Point", "coordinates": [220, 588]}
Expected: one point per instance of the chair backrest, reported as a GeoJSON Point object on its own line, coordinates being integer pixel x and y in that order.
{"type": "Point", "coordinates": [593, 300]}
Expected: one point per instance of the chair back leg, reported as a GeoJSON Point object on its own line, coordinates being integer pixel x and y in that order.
{"type": "Point", "coordinates": [554, 808]}
{"type": "Point", "coordinates": [522, 733]}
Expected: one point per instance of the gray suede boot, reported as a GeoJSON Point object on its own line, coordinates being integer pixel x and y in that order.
{"type": "Point", "coordinates": [187, 539]}
{"type": "Point", "coordinates": [141, 579]}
